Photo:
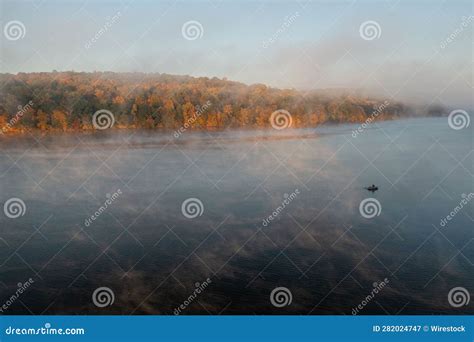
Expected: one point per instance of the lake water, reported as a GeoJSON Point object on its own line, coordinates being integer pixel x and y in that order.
{"type": "Point", "coordinates": [318, 245]}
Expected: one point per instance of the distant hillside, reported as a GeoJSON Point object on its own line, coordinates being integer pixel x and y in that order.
{"type": "Point", "coordinates": [68, 101]}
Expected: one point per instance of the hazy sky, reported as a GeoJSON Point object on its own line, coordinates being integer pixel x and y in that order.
{"type": "Point", "coordinates": [286, 44]}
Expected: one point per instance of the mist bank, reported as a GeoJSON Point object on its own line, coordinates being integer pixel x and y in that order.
{"type": "Point", "coordinates": [72, 101]}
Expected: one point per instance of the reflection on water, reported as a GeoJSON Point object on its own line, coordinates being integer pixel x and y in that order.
{"type": "Point", "coordinates": [318, 245]}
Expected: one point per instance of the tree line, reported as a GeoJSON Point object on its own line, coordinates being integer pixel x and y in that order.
{"type": "Point", "coordinates": [68, 101]}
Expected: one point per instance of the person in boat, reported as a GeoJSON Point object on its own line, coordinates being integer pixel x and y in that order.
{"type": "Point", "coordinates": [372, 188]}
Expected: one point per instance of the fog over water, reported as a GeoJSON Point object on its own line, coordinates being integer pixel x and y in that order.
{"type": "Point", "coordinates": [319, 245]}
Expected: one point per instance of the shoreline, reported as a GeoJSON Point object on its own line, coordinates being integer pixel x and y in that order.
{"type": "Point", "coordinates": [91, 131]}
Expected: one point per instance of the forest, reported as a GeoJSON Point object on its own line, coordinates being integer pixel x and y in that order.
{"type": "Point", "coordinates": [63, 101]}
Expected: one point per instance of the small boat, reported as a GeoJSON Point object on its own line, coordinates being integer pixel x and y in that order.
{"type": "Point", "coordinates": [372, 188]}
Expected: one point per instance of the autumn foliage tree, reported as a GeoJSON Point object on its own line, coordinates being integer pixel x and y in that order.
{"type": "Point", "coordinates": [68, 101]}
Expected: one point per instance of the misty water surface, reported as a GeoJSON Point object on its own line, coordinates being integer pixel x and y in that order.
{"type": "Point", "coordinates": [319, 246]}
